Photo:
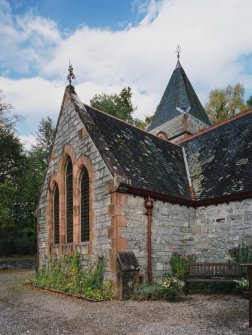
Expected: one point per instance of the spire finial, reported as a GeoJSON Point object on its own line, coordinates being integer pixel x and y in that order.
{"type": "Point", "coordinates": [178, 51]}
{"type": "Point", "coordinates": [71, 75]}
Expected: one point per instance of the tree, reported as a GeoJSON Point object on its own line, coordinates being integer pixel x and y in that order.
{"type": "Point", "coordinates": [44, 141]}
{"type": "Point", "coordinates": [7, 117]}
{"type": "Point", "coordinates": [224, 103]}
{"type": "Point", "coordinates": [11, 153]}
{"type": "Point", "coordinates": [12, 170]}
{"type": "Point", "coordinates": [11, 150]}
{"type": "Point", "coordinates": [118, 105]}
{"type": "Point", "coordinates": [37, 160]}
{"type": "Point", "coordinates": [21, 177]}
{"type": "Point", "coordinates": [249, 102]}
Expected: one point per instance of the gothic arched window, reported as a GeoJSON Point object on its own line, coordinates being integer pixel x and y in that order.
{"type": "Point", "coordinates": [84, 205]}
{"type": "Point", "coordinates": [56, 214]}
{"type": "Point", "coordinates": [69, 200]}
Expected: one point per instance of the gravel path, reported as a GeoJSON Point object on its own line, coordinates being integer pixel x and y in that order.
{"type": "Point", "coordinates": [28, 311]}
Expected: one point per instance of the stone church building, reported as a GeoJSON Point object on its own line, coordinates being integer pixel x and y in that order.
{"type": "Point", "coordinates": [114, 190]}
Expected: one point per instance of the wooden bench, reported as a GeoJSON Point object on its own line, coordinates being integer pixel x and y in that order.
{"type": "Point", "coordinates": [212, 273]}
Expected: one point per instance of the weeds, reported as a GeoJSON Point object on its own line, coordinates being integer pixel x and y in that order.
{"type": "Point", "coordinates": [179, 263]}
{"type": "Point", "coordinates": [147, 292]}
{"type": "Point", "coordinates": [65, 274]}
{"type": "Point", "coordinates": [241, 253]}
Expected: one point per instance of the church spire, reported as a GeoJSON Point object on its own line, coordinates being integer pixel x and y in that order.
{"type": "Point", "coordinates": [179, 98]}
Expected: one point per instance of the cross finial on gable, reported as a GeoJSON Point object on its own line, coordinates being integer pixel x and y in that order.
{"type": "Point", "coordinates": [178, 51]}
{"type": "Point", "coordinates": [71, 75]}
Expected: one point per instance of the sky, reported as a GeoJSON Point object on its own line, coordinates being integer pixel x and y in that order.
{"type": "Point", "coordinates": [114, 44]}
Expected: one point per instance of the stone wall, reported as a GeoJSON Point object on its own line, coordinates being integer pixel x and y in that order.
{"type": "Point", "coordinates": [206, 231]}
{"type": "Point", "coordinates": [73, 139]}
{"type": "Point", "coordinates": [182, 124]}
{"type": "Point", "coordinates": [218, 228]}
{"type": "Point", "coordinates": [171, 231]}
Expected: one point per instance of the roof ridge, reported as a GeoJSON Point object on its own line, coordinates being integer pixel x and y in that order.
{"type": "Point", "coordinates": [129, 124]}
{"type": "Point", "coordinates": [71, 90]}
{"type": "Point", "coordinates": [231, 119]}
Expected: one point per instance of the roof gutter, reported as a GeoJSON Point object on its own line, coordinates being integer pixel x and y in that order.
{"type": "Point", "coordinates": [155, 195]}
{"type": "Point", "coordinates": [226, 198]}
{"type": "Point", "coordinates": [180, 201]}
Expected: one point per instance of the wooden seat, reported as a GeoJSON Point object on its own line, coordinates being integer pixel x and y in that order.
{"type": "Point", "coordinates": [212, 273]}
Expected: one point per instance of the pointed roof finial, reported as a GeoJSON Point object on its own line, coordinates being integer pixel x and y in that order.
{"type": "Point", "coordinates": [178, 51]}
{"type": "Point", "coordinates": [71, 75]}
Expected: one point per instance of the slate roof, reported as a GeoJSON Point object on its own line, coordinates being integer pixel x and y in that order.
{"type": "Point", "coordinates": [220, 159]}
{"type": "Point", "coordinates": [179, 93]}
{"type": "Point", "coordinates": [143, 160]}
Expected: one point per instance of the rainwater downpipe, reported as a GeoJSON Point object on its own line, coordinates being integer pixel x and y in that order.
{"type": "Point", "coordinates": [148, 203]}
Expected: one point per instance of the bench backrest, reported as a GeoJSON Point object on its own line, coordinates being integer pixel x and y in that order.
{"type": "Point", "coordinates": [214, 269]}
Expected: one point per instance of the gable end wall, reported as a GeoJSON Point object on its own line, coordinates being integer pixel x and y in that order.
{"type": "Point", "coordinates": [72, 138]}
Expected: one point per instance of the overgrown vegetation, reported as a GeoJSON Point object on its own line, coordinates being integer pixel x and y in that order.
{"type": "Point", "coordinates": [241, 254]}
{"type": "Point", "coordinates": [172, 286]}
{"type": "Point", "coordinates": [147, 292]}
{"type": "Point", "coordinates": [65, 274]}
{"type": "Point", "coordinates": [169, 288]}
{"type": "Point", "coordinates": [179, 263]}
{"type": "Point", "coordinates": [242, 285]}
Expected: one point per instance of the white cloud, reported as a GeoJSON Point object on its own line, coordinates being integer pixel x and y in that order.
{"type": "Point", "coordinates": [28, 141]}
{"type": "Point", "coordinates": [34, 99]}
{"type": "Point", "coordinates": [214, 36]}
{"type": "Point", "coordinates": [26, 41]}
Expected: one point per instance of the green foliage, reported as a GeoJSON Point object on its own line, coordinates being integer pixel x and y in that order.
{"type": "Point", "coordinates": [44, 140]}
{"type": "Point", "coordinates": [224, 103]}
{"type": "Point", "coordinates": [249, 102]}
{"type": "Point", "coordinates": [172, 286]}
{"type": "Point", "coordinates": [94, 277]}
{"type": "Point", "coordinates": [118, 105]}
{"type": "Point", "coordinates": [213, 287]}
{"type": "Point", "coordinates": [242, 285]}
{"type": "Point", "coordinates": [147, 292]}
{"type": "Point", "coordinates": [11, 153]}
{"type": "Point", "coordinates": [241, 254]}
{"type": "Point", "coordinates": [169, 288]}
{"type": "Point", "coordinates": [7, 117]}
{"type": "Point", "coordinates": [179, 263]}
{"type": "Point", "coordinates": [65, 274]}
{"type": "Point", "coordinates": [17, 226]}
{"type": "Point", "coordinates": [21, 177]}
{"type": "Point", "coordinates": [17, 234]}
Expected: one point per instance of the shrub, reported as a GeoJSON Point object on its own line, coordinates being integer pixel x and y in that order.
{"type": "Point", "coordinates": [242, 285]}
{"type": "Point", "coordinates": [179, 263]}
{"type": "Point", "coordinates": [241, 253]}
{"type": "Point", "coordinates": [172, 286]}
{"type": "Point", "coordinates": [147, 292]}
{"type": "Point", "coordinates": [168, 288]}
